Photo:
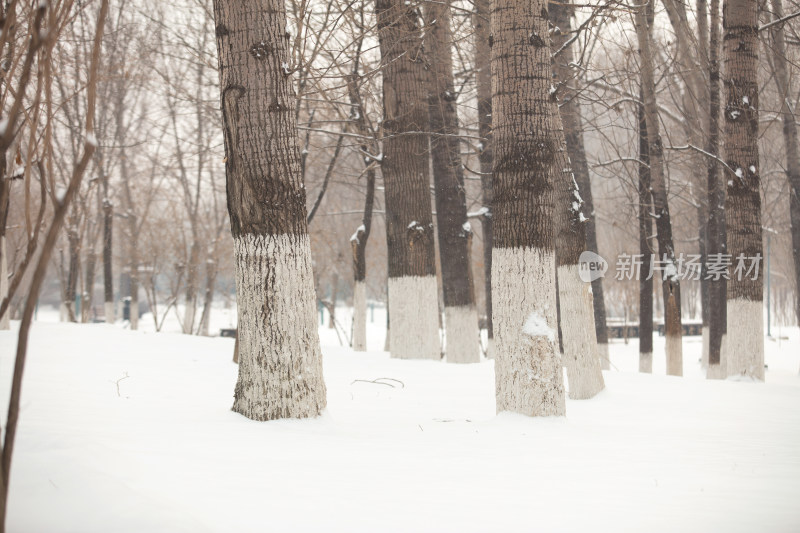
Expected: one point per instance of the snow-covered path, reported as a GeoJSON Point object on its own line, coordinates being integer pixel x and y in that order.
{"type": "Point", "coordinates": [650, 453]}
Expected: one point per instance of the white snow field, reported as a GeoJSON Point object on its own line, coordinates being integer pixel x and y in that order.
{"type": "Point", "coordinates": [160, 450]}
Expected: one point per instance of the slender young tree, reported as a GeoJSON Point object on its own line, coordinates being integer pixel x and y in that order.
{"type": "Point", "coordinates": [280, 362]}
{"type": "Point", "coordinates": [413, 291]}
{"type": "Point", "coordinates": [646, 250]}
{"type": "Point", "coordinates": [717, 245]}
{"type": "Point", "coordinates": [528, 369]}
{"type": "Point", "coordinates": [483, 82]}
{"type": "Point", "coordinates": [670, 283]}
{"type": "Point", "coordinates": [744, 344]}
{"type": "Point", "coordinates": [460, 315]}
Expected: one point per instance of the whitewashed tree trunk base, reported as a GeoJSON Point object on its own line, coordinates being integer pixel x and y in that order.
{"type": "Point", "coordinates": [716, 372]}
{"type": "Point", "coordinates": [462, 336]}
{"type": "Point", "coordinates": [360, 317]}
{"type": "Point", "coordinates": [528, 374]}
{"type": "Point", "coordinates": [280, 362]}
{"type": "Point", "coordinates": [5, 322]}
{"type": "Point", "coordinates": [109, 311]}
{"type": "Point", "coordinates": [490, 348]}
{"type": "Point", "coordinates": [744, 345]}
{"type": "Point", "coordinates": [602, 354]}
{"type": "Point", "coordinates": [706, 347]}
{"type": "Point", "coordinates": [674, 349]}
{"type": "Point", "coordinates": [188, 318]}
{"type": "Point", "coordinates": [579, 341]}
{"type": "Point", "coordinates": [414, 317]}
{"type": "Point", "coordinates": [646, 362]}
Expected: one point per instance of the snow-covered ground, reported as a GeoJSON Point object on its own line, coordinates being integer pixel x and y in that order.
{"type": "Point", "coordinates": [126, 431]}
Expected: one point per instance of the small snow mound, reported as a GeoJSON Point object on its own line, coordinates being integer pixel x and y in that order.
{"type": "Point", "coordinates": [536, 326]}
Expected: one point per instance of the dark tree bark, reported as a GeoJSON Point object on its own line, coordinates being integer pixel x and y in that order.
{"type": "Point", "coordinates": [528, 370]}
{"type": "Point", "coordinates": [744, 344]}
{"type": "Point", "coordinates": [670, 284]}
{"type": "Point", "coordinates": [280, 363]}
{"type": "Point", "coordinates": [483, 81]}
{"type": "Point", "coordinates": [717, 246]}
{"type": "Point", "coordinates": [413, 300]}
{"type": "Point", "coordinates": [461, 318]}
{"type": "Point", "coordinates": [646, 250]}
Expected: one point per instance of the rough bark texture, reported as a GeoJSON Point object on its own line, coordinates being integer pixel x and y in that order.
{"type": "Point", "coordinates": [108, 266]}
{"type": "Point", "coordinates": [572, 120]}
{"type": "Point", "coordinates": [280, 362]}
{"type": "Point", "coordinates": [483, 82]}
{"type": "Point", "coordinates": [790, 140]}
{"type": "Point", "coordinates": [717, 315]}
{"type": "Point", "coordinates": [745, 336]}
{"type": "Point", "coordinates": [528, 369]}
{"type": "Point", "coordinates": [5, 322]}
{"type": "Point", "coordinates": [670, 283]}
{"type": "Point", "coordinates": [409, 220]}
{"type": "Point", "coordinates": [645, 248]}
{"type": "Point", "coordinates": [463, 338]}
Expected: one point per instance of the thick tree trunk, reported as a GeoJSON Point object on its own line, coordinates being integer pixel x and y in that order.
{"type": "Point", "coordinates": [646, 250]}
{"type": "Point", "coordinates": [717, 245]}
{"type": "Point", "coordinates": [461, 317]}
{"type": "Point", "coordinates": [670, 284]}
{"type": "Point", "coordinates": [5, 322]}
{"type": "Point", "coordinates": [528, 369]}
{"type": "Point", "coordinates": [578, 337]}
{"type": "Point", "coordinates": [790, 141]}
{"type": "Point", "coordinates": [744, 345]}
{"type": "Point", "coordinates": [483, 81]}
{"type": "Point", "coordinates": [280, 362]}
{"type": "Point", "coordinates": [572, 120]}
{"type": "Point", "coordinates": [72, 273]}
{"type": "Point", "coordinates": [413, 291]}
{"type": "Point", "coordinates": [88, 286]}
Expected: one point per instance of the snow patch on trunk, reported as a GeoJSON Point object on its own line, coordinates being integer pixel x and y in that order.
{"type": "Point", "coordinates": [744, 346]}
{"type": "Point", "coordinates": [360, 317]}
{"type": "Point", "coordinates": [528, 375]}
{"type": "Point", "coordinates": [280, 362]}
{"type": "Point", "coordinates": [414, 317]}
{"type": "Point", "coordinates": [462, 335]}
{"type": "Point", "coordinates": [579, 341]}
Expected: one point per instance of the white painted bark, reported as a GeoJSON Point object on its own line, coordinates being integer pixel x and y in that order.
{"type": "Point", "coordinates": [706, 347]}
{"type": "Point", "coordinates": [646, 363]}
{"type": "Point", "coordinates": [414, 317]}
{"type": "Point", "coordinates": [280, 362]}
{"type": "Point", "coordinates": [719, 371]}
{"type": "Point", "coordinates": [462, 336]}
{"type": "Point", "coordinates": [578, 338]}
{"type": "Point", "coordinates": [109, 311]}
{"type": "Point", "coordinates": [360, 317]}
{"type": "Point", "coordinates": [188, 317]}
{"type": "Point", "coordinates": [5, 323]}
{"type": "Point", "coordinates": [490, 348]}
{"type": "Point", "coordinates": [528, 374]}
{"type": "Point", "coordinates": [602, 353]}
{"type": "Point", "coordinates": [744, 345]}
{"type": "Point", "coordinates": [63, 312]}
{"type": "Point", "coordinates": [674, 349]}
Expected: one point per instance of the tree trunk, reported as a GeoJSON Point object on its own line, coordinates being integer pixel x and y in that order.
{"type": "Point", "coordinates": [528, 374]}
{"type": "Point", "coordinates": [717, 246]}
{"type": "Point", "coordinates": [358, 241]}
{"type": "Point", "coordinates": [211, 281]}
{"type": "Point", "coordinates": [88, 286]}
{"type": "Point", "coordinates": [72, 273]}
{"type": "Point", "coordinates": [413, 291]}
{"type": "Point", "coordinates": [483, 81]}
{"type": "Point", "coordinates": [108, 267]}
{"type": "Point", "coordinates": [670, 284]}
{"type": "Point", "coordinates": [280, 361]}
{"type": "Point", "coordinates": [461, 318]}
{"type": "Point", "coordinates": [646, 250]}
{"type": "Point", "coordinates": [790, 142]}
{"type": "Point", "coordinates": [334, 298]}
{"type": "Point", "coordinates": [744, 345]}
{"type": "Point", "coordinates": [572, 120]}
{"type": "Point", "coordinates": [190, 295]}
{"type": "Point", "coordinates": [5, 320]}
{"type": "Point", "coordinates": [577, 331]}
